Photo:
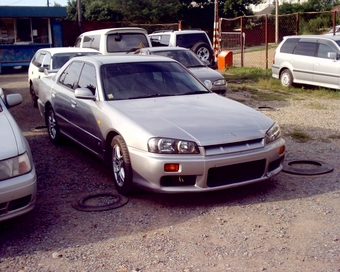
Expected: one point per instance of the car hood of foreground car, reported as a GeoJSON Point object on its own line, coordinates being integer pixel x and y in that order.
{"type": "Point", "coordinates": [204, 73]}
{"type": "Point", "coordinates": [11, 143]}
{"type": "Point", "coordinates": [206, 119]}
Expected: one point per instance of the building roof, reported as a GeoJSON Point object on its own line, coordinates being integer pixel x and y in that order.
{"type": "Point", "coordinates": [21, 11]}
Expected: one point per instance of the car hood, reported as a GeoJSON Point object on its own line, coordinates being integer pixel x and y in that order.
{"type": "Point", "coordinates": [206, 119]}
{"type": "Point", "coordinates": [11, 143]}
{"type": "Point", "coordinates": [204, 73]}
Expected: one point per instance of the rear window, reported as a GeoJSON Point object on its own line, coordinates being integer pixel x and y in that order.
{"type": "Point", "coordinates": [189, 40]}
{"type": "Point", "coordinates": [126, 42]}
{"type": "Point", "coordinates": [289, 45]}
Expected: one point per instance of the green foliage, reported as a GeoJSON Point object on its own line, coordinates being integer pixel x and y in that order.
{"type": "Point", "coordinates": [235, 8]}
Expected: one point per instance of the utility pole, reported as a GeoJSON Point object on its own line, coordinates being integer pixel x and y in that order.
{"type": "Point", "coordinates": [276, 21]}
{"type": "Point", "coordinates": [80, 27]}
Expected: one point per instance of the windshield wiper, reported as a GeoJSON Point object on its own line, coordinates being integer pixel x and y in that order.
{"type": "Point", "coordinates": [150, 95]}
{"type": "Point", "coordinates": [195, 66]}
{"type": "Point", "coordinates": [195, 92]}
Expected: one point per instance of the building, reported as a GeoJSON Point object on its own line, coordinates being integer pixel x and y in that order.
{"type": "Point", "coordinates": [24, 30]}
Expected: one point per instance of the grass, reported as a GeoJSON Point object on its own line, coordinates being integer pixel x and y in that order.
{"type": "Point", "coordinates": [299, 135]}
{"type": "Point", "coordinates": [262, 86]}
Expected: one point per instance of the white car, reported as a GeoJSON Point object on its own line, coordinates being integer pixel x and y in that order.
{"type": "Point", "coordinates": [51, 59]}
{"type": "Point", "coordinates": [18, 179]}
{"type": "Point", "coordinates": [158, 126]}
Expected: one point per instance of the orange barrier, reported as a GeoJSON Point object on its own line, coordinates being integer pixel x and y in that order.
{"type": "Point", "coordinates": [225, 58]}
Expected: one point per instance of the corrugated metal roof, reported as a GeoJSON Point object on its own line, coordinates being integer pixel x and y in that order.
{"type": "Point", "coordinates": [21, 11]}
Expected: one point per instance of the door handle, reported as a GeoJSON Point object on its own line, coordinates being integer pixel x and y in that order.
{"type": "Point", "coordinates": [73, 104]}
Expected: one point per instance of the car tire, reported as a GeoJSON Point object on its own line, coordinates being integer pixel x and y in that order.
{"type": "Point", "coordinates": [121, 166]}
{"type": "Point", "coordinates": [52, 126]}
{"type": "Point", "coordinates": [33, 96]}
{"type": "Point", "coordinates": [286, 78]}
{"type": "Point", "coordinates": [203, 51]}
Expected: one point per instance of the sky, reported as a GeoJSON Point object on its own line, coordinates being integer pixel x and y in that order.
{"type": "Point", "coordinates": [38, 3]}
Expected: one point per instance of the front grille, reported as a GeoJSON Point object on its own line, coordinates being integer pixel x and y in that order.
{"type": "Point", "coordinates": [228, 148]}
{"type": "Point", "coordinates": [171, 181]}
{"type": "Point", "coordinates": [236, 173]}
{"type": "Point", "coordinates": [15, 204]}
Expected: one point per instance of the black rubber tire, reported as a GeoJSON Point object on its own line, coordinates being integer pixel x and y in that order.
{"type": "Point", "coordinates": [286, 78]}
{"type": "Point", "coordinates": [52, 126]}
{"type": "Point", "coordinates": [203, 51]}
{"type": "Point", "coordinates": [121, 166]}
{"type": "Point", "coordinates": [33, 96]}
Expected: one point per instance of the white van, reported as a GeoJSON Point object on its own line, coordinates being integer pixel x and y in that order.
{"type": "Point", "coordinates": [308, 59]}
{"type": "Point", "coordinates": [114, 40]}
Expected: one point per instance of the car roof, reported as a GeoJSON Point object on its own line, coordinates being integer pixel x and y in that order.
{"type": "Point", "coordinates": [325, 37]}
{"type": "Point", "coordinates": [188, 31]}
{"type": "Point", "coordinates": [55, 50]}
{"type": "Point", "coordinates": [123, 58]}
{"type": "Point", "coordinates": [114, 30]}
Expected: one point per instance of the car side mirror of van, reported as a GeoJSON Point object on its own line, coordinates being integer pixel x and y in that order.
{"type": "Point", "coordinates": [333, 55]}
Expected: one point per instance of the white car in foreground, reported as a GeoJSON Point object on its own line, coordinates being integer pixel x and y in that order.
{"type": "Point", "coordinates": [158, 126]}
{"type": "Point", "coordinates": [18, 180]}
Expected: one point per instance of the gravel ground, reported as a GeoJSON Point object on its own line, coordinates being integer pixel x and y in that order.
{"type": "Point", "coordinates": [289, 223]}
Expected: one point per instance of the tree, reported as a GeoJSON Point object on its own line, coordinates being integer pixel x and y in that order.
{"type": "Point", "coordinates": [235, 8]}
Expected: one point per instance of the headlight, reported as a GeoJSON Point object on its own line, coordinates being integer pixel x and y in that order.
{"type": "Point", "coordinates": [172, 146]}
{"type": "Point", "coordinates": [220, 82]}
{"type": "Point", "coordinates": [16, 166]}
{"type": "Point", "coordinates": [273, 133]}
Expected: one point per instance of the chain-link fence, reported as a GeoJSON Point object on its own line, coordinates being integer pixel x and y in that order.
{"type": "Point", "coordinates": [253, 39]}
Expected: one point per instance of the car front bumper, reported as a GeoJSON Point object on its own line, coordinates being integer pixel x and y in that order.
{"type": "Point", "coordinates": [199, 173]}
{"type": "Point", "coordinates": [17, 195]}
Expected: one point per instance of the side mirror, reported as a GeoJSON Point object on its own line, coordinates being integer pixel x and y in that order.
{"type": "Point", "coordinates": [84, 93]}
{"type": "Point", "coordinates": [13, 99]}
{"type": "Point", "coordinates": [332, 55]}
{"type": "Point", "coordinates": [208, 84]}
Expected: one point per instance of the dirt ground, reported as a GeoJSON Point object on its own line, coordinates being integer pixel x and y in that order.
{"type": "Point", "coordinates": [288, 223]}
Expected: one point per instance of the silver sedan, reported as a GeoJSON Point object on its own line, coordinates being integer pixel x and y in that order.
{"type": "Point", "coordinates": [159, 127]}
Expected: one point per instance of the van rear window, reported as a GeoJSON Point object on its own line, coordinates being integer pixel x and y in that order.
{"type": "Point", "coordinates": [289, 45]}
{"type": "Point", "coordinates": [126, 42]}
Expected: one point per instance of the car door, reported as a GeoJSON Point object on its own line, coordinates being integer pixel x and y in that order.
{"type": "Point", "coordinates": [303, 60]}
{"type": "Point", "coordinates": [63, 100]}
{"type": "Point", "coordinates": [326, 70]}
{"type": "Point", "coordinates": [83, 117]}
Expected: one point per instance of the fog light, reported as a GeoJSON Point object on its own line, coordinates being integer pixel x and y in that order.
{"type": "Point", "coordinates": [171, 167]}
{"type": "Point", "coordinates": [282, 150]}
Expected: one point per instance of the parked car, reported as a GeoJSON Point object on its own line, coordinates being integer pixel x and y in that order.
{"type": "Point", "coordinates": [196, 40]}
{"type": "Point", "coordinates": [113, 41]}
{"type": "Point", "coordinates": [192, 62]}
{"type": "Point", "coordinates": [18, 179]}
{"type": "Point", "coordinates": [159, 127]}
{"type": "Point", "coordinates": [51, 59]}
{"type": "Point", "coordinates": [308, 59]}
{"type": "Point", "coordinates": [337, 31]}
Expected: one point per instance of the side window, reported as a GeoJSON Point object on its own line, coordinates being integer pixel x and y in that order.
{"type": "Point", "coordinates": [38, 59]}
{"type": "Point", "coordinates": [289, 45]}
{"type": "Point", "coordinates": [160, 40]}
{"type": "Point", "coordinates": [95, 42]}
{"type": "Point", "coordinates": [70, 75]}
{"type": "Point", "coordinates": [88, 78]}
{"type": "Point", "coordinates": [305, 49]}
{"type": "Point", "coordinates": [47, 61]}
{"type": "Point", "coordinates": [323, 51]}
{"type": "Point", "coordinates": [87, 41]}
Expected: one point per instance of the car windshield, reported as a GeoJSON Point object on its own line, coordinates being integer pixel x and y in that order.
{"type": "Point", "coordinates": [186, 57]}
{"type": "Point", "coordinates": [148, 79]}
